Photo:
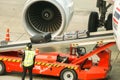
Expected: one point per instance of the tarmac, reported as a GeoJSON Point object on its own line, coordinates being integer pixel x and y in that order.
{"type": "Point", "coordinates": [11, 17]}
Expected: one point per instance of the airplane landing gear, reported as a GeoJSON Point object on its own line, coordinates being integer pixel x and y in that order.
{"type": "Point", "coordinates": [97, 20]}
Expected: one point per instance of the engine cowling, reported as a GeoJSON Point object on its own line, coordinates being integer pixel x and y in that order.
{"type": "Point", "coordinates": [47, 16]}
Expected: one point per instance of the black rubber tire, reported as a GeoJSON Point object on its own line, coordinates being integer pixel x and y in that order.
{"type": "Point", "coordinates": [2, 68]}
{"type": "Point", "coordinates": [108, 24]}
{"type": "Point", "coordinates": [107, 78]}
{"type": "Point", "coordinates": [93, 22]}
{"type": "Point", "coordinates": [67, 74]}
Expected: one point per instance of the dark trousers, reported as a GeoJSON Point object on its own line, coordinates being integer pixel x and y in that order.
{"type": "Point", "coordinates": [25, 71]}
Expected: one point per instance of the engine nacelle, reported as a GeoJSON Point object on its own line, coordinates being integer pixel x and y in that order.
{"type": "Point", "coordinates": [47, 16]}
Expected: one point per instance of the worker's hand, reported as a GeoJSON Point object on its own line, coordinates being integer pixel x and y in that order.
{"type": "Point", "coordinates": [21, 64]}
{"type": "Point", "coordinates": [95, 59]}
{"type": "Point", "coordinates": [20, 51]}
{"type": "Point", "coordinates": [110, 1]}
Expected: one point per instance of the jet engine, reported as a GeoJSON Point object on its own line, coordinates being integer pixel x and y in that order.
{"type": "Point", "coordinates": [41, 16]}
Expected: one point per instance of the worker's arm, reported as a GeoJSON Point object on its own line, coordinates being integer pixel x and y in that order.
{"type": "Point", "coordinates": [111, 1]}
{"type": "Point", "coordinates": [22, 53]}
{"type": "Point", "coordinates": [23, 57]}
{"type": "Point", "coordinates": [34, 61]}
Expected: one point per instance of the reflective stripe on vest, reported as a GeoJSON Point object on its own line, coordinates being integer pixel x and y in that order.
{"type": "Point", "coordinates": [29, 56]}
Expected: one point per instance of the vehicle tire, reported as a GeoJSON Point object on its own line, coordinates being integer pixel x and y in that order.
{"type": "Point", "coordinates": [68, 74]}
{"type": "Point", "coordinates": [107, 78]}
{"type": "Point", "coordinates": [2, 68]}
{"type": "Point", "coordinates": [93, 22]}
{"type": "Point", "coordinates": [108, 24]}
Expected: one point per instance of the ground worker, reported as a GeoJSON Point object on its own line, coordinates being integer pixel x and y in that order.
{"type": "Point", "coordinates": [28, 61]}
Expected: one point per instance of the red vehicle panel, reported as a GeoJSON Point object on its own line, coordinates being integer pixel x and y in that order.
{"type": "Point", "coordinates": [62, 65]}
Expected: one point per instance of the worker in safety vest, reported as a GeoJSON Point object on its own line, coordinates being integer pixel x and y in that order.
{"type": "Point", "coordinates": [28, 61]}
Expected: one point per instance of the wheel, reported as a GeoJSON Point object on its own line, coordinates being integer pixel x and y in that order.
{"type": "Point", "coordinates": [68, 74]}
{"type": "Point", "coordinates": [2, 68]}
{"type": "Point", "coordinates": [93, 22]}
{"type": "Point", "coordinates": [107, 78]}
{"type": "Point", "coordinates": [108, 24]}
{"type": "Point", "coordinates": [108, 74]}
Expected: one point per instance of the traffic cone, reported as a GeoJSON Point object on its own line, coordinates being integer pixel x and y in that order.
{"type": "Point", "coordinates": [37, 51]}
{"type": "Point", "coordinates": [7, 37]}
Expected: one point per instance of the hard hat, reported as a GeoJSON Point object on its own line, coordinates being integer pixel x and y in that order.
{"type": "Point", "coordinates": [29, 45]}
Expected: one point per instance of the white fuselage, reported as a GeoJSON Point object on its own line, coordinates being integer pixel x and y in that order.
{"type": "Point", "coordinates": [116, 22]}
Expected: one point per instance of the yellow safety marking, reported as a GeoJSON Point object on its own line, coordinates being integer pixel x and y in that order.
{"type": "Point", "coordinates": [13, 60]}
{"type": "Point", "coordinates": [43, 64]}
{"type": "Point", "coordinates": [72, 67]}
{"type": "Point", "coordinates": [56, 65]}
{"type": "Point", "coordinates": [62, 65]}
{"type": "Point", "coordinates": [75, 44]}
{"type": "Point", "coordinates": [100, 42]}
{"type": "Point", "coordinates": [47, 64]}
{"type": "Point", "coordinates": [17, 60]}
{"type": "Point", "coordinates": [51, 65]}
{"type": "Point", "coordinates": [68, 66]}
{"type": "Point", "coordinates": [75, 68]}
{"type": "Point", "coordinates": [4, 59]}
{"type": "Point", "coordinates": [1, 58]}
{"type": "Point", "coordinates": [9, 59]}
{"type": "Point", "coordinates": [39, 63]}
{"type": "Point", "coordinates": [35, 62]}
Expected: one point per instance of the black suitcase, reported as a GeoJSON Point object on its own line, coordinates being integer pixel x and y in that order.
{"type": "Point", "coordinates": [41, 38]}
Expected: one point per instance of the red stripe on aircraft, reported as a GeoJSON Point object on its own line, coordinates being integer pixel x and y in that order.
{"type": "Point", "coordinates": [115, 20]}
{"type": "Point", "coordinates": [118, 9]}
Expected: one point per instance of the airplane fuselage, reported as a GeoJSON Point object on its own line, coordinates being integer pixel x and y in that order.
{"type": "Point", "coordinates": [116, 22]}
